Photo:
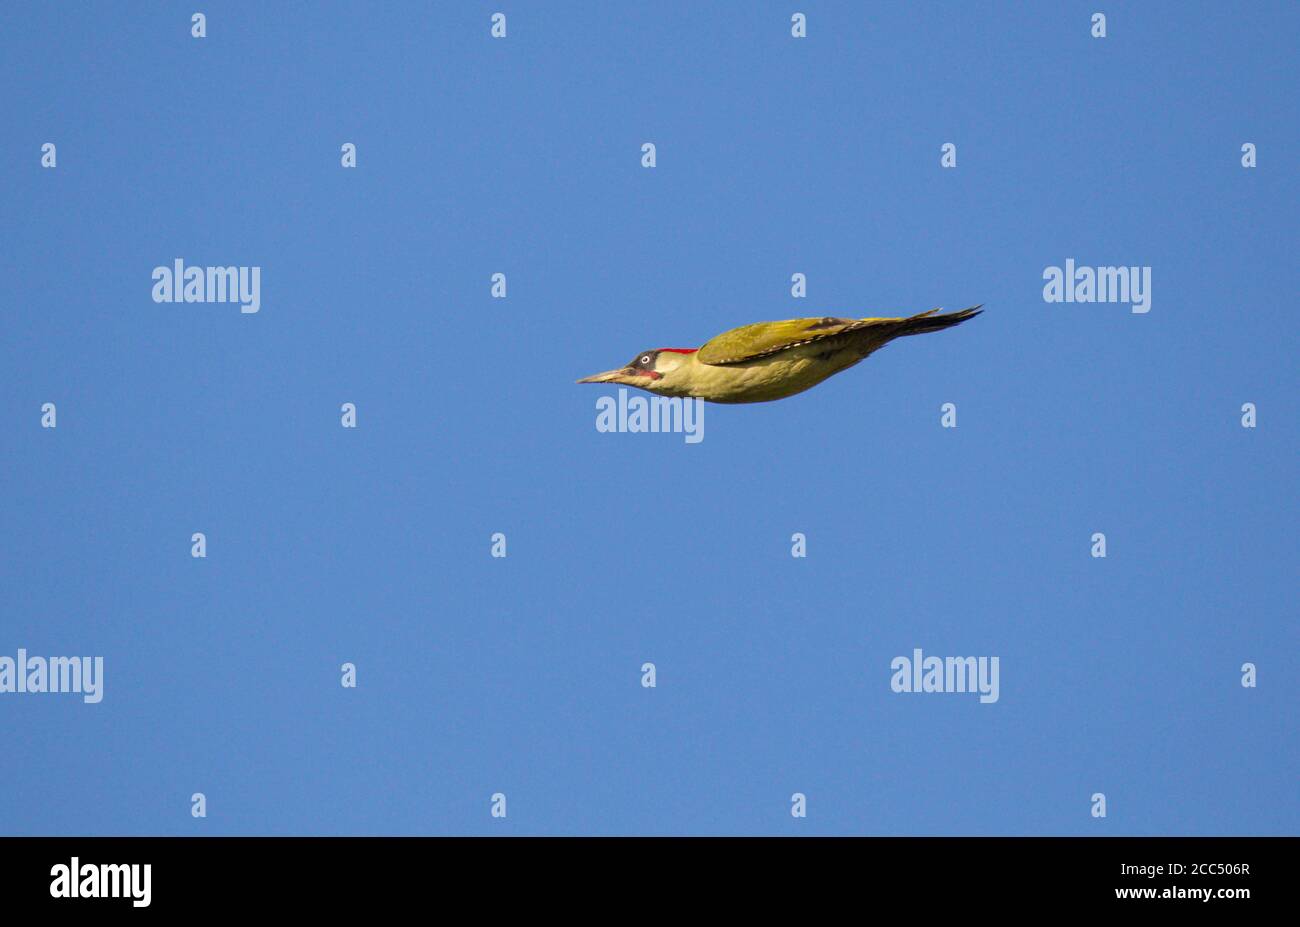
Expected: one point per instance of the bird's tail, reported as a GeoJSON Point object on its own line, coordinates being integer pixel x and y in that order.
{"type": "Point", "coordinates": [929, 322]}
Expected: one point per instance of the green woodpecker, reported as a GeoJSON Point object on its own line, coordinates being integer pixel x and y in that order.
{"type": "Point", "coordinates": [770, 360]}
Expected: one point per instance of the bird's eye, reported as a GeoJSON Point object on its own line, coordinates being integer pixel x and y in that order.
{"type": "Point", "coordinates": [645, 360]}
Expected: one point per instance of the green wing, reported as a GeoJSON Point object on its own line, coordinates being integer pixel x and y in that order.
{"type": "Point", "coordinates": [763, 338]}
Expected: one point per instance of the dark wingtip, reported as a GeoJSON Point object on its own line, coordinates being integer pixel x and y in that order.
{"type": "Point", "coordinates": [961, 315]}
{"type": "Point", "coordinates": [927, 322]}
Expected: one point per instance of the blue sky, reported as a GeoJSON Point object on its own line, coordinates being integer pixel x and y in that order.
{"type": "Point", "coordinates": [521, 675]}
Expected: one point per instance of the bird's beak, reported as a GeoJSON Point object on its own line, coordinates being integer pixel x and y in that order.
{"type": "Point", "coordinates": [610, 376]}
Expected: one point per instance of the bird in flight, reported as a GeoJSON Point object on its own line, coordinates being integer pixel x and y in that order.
{"type": "Point", "coordinates": [770, 360]}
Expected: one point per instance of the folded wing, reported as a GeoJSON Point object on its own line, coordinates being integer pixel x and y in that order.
{"type": "Point", "coordinates": [762, 339]}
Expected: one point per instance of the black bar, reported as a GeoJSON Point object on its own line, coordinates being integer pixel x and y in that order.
{"type": "Point", "coordinates": [331, 875]}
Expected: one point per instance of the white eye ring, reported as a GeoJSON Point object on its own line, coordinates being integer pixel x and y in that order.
{"type": "Point", "coordinates": [645, 359]}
